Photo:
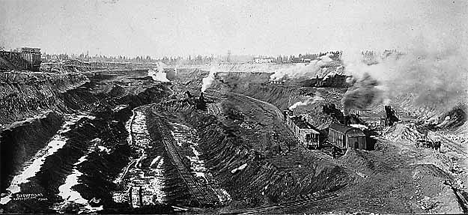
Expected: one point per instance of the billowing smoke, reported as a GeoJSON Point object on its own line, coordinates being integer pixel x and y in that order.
{"type": "Point", "coordinates": [160, 75]}
{"type": "Point", "coordinates": [362, 94]}
{"type": "Point", "coordinates": [208, 81]}
{"type": "Point", "coordinates": [311, 100]}
{"type": "Point", "coordinates": [301, 70]}
{"type": "Point", "coordinates": [430, 78]}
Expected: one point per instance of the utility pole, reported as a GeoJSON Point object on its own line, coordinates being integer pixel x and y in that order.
{"type": "Point", "coordinates": [228, 56]}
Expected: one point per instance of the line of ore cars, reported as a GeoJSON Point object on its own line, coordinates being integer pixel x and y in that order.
{"type": "Point", "coordinates": [339, 135]}
{"type": "Point", "coordinates": [342, 136]}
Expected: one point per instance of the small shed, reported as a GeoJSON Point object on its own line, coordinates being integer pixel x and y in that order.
{"type": "Point", "coordinates": [343, 137]}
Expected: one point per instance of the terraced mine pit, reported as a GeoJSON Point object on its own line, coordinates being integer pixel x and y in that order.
{"type": "Point", "coordinates": [122, 142]}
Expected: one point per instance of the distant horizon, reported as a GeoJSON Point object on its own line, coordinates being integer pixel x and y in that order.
{"type": "Point", "coordinates": [207, 27]}
{"type": "Point", "coordinates": [186, 56]}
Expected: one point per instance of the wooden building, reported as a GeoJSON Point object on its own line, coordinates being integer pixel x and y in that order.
{"type": "Point", "coordinates": [344, 137]}
{"type": "Point", "coordinates": [33, 57]}
{"type": "Point", "coordinates": [26, 59]}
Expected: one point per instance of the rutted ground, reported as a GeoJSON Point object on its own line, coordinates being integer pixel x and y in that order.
{"type": "Point", "coordinates": [74, 170]}
{"type": "Point", "coordinates": [139, 174]}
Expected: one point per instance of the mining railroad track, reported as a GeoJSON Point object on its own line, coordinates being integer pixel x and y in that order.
{"type": "Point", "coordinates": [453, 146]}
{"type": "Point", "coordinates": [257, 101]}
{"type": "Point", "coordinates": [198, 191]}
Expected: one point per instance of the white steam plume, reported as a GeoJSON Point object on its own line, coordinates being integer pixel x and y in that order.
{"type": "Point", "coordinates": [308, 101]}
{"type": "Point", "coordinates": [160, 75]}
{"type": "Point", "coordinates": [160, 67]}
{"type": "Point", "coordinates": [301, 70]}
{"type": "Point", "coordinates": [208, 81]}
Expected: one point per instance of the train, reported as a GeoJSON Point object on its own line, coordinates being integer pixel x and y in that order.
{"type": "Point", "coordinates": [304, 131]}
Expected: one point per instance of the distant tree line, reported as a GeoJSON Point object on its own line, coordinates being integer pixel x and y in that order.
{"type": "Point", "coordinates": [124, 59]}
{"type": "Point", "coordinates": [199, 59]}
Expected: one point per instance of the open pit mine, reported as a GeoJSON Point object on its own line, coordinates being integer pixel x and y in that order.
{"type": "Point", "coordinates": [223, 138]}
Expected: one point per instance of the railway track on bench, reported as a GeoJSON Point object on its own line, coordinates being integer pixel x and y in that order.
{"type": "Point", "coordinates": [453, 146]}
{"type": "Point", "coordinates": [196, 190]}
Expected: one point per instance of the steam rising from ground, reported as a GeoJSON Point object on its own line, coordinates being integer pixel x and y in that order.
{"type": "Point", "coordinates": [311, 100]}
{"type": "Point", "coordinates": [208, 81]}
{"type": "Point", "coordinates": [302, 70]}
{"type": "Point", "coordinates": [432, 78]}
{"type": "Point", "coordinates": [160, 75]}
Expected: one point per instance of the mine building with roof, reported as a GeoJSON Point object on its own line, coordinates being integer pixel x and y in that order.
{"type": "Point", "coordinates": [344, 137]}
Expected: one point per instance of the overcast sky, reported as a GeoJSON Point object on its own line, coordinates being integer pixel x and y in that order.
{"type": "Point", "coordinates": [268, 27]}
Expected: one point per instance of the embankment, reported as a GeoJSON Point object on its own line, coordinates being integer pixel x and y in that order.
{"type": "Point", "coordinates": [24, 94]}
{"type": "Point", "coordinates": [251, 179]}
{"type": "Point", "coordinates": [20, 142]}
{"type": "Point", "coordinates": [252, 176]}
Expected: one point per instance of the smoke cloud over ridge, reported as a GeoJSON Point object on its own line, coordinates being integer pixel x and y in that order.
{"type": "Point", "coordinates": [311, 100]}
{"type": "Point", "coordinates": [302, 70]}
{"type": "Point", "coordinates": [435, 78]}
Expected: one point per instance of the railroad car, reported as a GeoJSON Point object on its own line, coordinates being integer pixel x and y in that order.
{"type": "Point", "coordinates": [343, 137]}
{"type": "Point", "coordinates": [304, 131]}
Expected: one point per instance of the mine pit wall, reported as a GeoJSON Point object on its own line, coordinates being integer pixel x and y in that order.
{"type": "Point", "coordinates": [260, 182]}
{"type": "Point", "coordinates": [97, 168]}
{"type": "Point", "coordinates": [257, 85]}
{"type": "Point", "coordinates": [20, 143]}
{"type": "Point", "coordinates": [175, 186]}
{"type": "Point", "coordinates": [101, 168]}
{"type": "Point", "coordinates": [24, 94]}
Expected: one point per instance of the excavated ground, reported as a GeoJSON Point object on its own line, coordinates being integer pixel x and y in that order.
{"type": "Point", "coordinates": [120, 136]}
{"type": "Point", "coordinates": [250, 153]}
{"type": "Point", "coordinates": [395, 177]}
{"type": "Point", "coordinates": [61, 161]}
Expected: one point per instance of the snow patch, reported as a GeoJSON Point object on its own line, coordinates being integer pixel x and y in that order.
{"type": "Point", "coordinates": [155, 160]}
{"type": "Point", "coordinates": [104, 149]}
{"type": "Point", "coordinates": [33, 166]}
{"type": "Point", "coordinates": [242, 167]}
{"type": "Point", "coordinates": [119, 108]}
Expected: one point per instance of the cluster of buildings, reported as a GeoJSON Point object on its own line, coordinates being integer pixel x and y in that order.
{"type": "Point", "coordinates": [264, 60]}
{"type": "Point", "coordinates": [341, 136]}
